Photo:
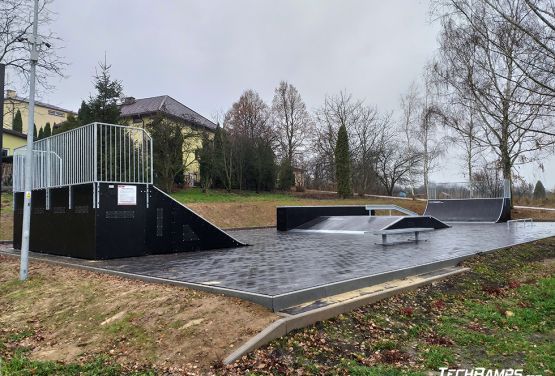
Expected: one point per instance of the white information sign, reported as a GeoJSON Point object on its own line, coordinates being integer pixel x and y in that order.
{"type": "Point", "coordinates": [127, 195]}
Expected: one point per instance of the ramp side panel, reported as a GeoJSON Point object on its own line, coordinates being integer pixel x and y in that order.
{"type": "Point", "coordinates": [60, 230]}
{"type": "Point", "coordinates": [468, 210]}
{"type": "Point", "coordinates": [173, 227]}
{"type": "Point", "coordinates": [290, 217]}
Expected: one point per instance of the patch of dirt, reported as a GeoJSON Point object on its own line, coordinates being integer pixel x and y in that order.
{"type": "Point", "coordinates": [69, 315]}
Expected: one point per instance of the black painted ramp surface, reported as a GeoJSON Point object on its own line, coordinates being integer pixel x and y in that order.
{"type": "Point", "coordinates": [470, 210]}
{"type": "Point", "coordinates": [348, 223]}
{"type": "Point", "coordinates": [361, 224]}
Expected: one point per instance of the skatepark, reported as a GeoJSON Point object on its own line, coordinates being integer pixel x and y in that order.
{"type": "Point", "coordinates": [113, 220]}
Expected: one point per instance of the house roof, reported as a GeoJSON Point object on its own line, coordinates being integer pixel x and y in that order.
{"type": "Point", "coordinates": [38, 103]}
{"type": "Point", "coordinates": [167, 105]}
{"type": "Point", "coordinates": [14, 133]}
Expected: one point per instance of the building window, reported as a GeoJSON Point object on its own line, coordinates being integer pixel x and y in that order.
{"type": "Point", "coordinates": [137, 119]}
{"type": "Point", "coordinates": [5, 152]}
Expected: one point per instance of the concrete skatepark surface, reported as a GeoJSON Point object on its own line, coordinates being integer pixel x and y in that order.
{"type": "Point", "coordinates": [281, 269]}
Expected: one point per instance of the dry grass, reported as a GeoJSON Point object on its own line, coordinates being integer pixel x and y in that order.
{"type": "Point", "coordinates": [6, 217]}
{"type": "Point", "coordinates": [540, 215]}
{"type": "Point", "coordinates": [68, 315]}
{"type": "Point", "coordinates": [263, 213]}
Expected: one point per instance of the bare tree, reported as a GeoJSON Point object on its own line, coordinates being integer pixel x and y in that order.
{"type": "Point", "coordinates": [249, 117]}
{"type": "Point", "coordinates": [410, 105]}
{"type": "Point", "coordinates": [421, 116]}
{"type": "Point", "coordinates": [478, 63]}
{"type": "Point", "coordinates": [394, 162]}
{"type": "Point", "coordinates": [463, 122]}
{"type": "Point", "coordinates": [535, 20]}
{"type": "Point", "coordinates": [248, 124]}
{"type": "Point", "coordinates": [15, 28]}
{"type": "Point", "coordinates": [366, 138]}
{"type": "Point", "coordinates": [292, 121]}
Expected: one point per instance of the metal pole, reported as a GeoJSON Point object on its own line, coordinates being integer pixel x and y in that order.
{"type": "Point", "coordinates": [23, 271]}
{"type": "Point", "coordinates": [2, 75]}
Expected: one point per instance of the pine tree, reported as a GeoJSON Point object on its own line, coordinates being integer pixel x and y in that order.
{"type": "Point", "coordinates": [286, 178]}
{"type": "Point", "coordinates": [17, 124]}
{"type": "Point", "coordinates": [539, 191]}
{"type": "Point", "coordinates": [41, 134]}
{"type": "Point", "coordinates": [47, 130]}
{"type": "Point", "coordinates": [35, 135]}
{"type": "Point", "coordinates": [343, 164]}
{"type": "Point", "coordinates": [104, 106]}
{"type": "Point", "coordinates": [205, 157]}
{"type": "Point", "coordinates": [70, 123]}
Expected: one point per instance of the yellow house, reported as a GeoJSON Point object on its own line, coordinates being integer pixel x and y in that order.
{"type": "Point", "coordinates": [44, 113]}
{"type": "Point", "coordinates": [12, 140]}
{"type": "Point", "coordinates": [139, 112]}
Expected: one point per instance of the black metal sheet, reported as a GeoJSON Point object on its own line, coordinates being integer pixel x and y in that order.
{"type": "Point", "coordinates": [120, 229]}
{"type": "Point", "coordinates": [290, 217]}
{"type": "Point", "coordinates": [173, 227]}
{"type": "Point", "coordinates": [59, 230]}
{"type": "Point", "coordinates": [113, 230]}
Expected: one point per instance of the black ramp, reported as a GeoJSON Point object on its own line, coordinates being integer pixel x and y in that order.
{"type": "Point", "coordinates": [470, 210]}
{"type": "Point", "coordinates": [173, 227]}
{"type": "Point", "coordinates": [290, 217]}
{"type": "Point", "coordinates": [348, 223]}
{"type": "Point", "coordinates": [421, 221]}
{"type": "Point", "coordinates": [356, 224]}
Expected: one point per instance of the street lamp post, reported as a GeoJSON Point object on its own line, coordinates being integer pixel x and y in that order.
{"type": "Point", "coordinates": [24, 268]}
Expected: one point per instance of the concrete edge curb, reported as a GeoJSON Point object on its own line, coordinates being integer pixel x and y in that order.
{"type": "Point", "coordinates": [287, 324]}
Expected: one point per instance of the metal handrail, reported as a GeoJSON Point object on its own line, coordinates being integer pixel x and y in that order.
{"type": "Point", "coordinates": [93, 153]}
{"type": "Point", "coordinates": [390, 207]}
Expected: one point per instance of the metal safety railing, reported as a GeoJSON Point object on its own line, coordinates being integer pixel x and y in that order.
{"type": "Point", "coordinates": [467, 190]}
{"type": "Point", "coordinates": [93, 153]}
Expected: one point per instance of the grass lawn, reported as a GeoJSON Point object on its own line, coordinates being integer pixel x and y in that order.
{"type": "Point", "coordinates": [195, 195]}
{"type": "Point", "coordinates": [499, 315]}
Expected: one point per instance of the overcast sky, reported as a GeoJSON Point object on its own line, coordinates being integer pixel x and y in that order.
{"type": "Point", "coordinates": [206, 53]}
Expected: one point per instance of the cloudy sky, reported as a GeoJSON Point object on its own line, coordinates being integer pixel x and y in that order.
{"type": "Point", "coordinates": [205, 53]}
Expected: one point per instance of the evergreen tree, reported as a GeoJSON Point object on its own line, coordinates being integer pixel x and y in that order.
{"type": "Point", "coordinates": [263, 167]}
{"type": "Point", "coordinates": [104, 106]}
{"type": "Point", "coordinates": [343, 164]}
{"type": "Point", "coordinates": [224, 163]}
{"type": "Point", "coordinates": [47, 130]}
{"type": "Point", "coordinates": [168, 159]}
{"type": "Point", "coordinates": [539, 191]}
{"type": "Point", "coordinates": [70, 123]}
{"type": "Point", "coordinates": [17, 124]}
{"type": "Point", "coordinates": [35, 135]}
{"type": "Point", "coordinates": [41, 134]}
{"type": "Point", "coordinates": [286, 178]}
{"type": "Point", "coordinates": [206, 160]}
